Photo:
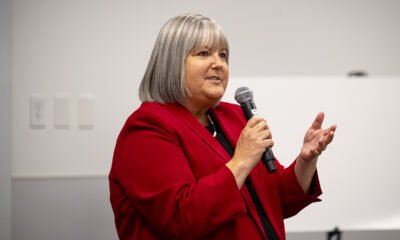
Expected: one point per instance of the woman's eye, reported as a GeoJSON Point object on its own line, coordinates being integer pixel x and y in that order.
{"type": "Point", "coordinates": [223, 55]}
{"type": "Point", "coordinates": [203, 53]}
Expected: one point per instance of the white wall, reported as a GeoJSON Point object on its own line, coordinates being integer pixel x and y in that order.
{"type": "Point", "coordinates": [101, 47]}
{"type": "Point", "coordinates": [5, 120]}
{"type": "Point", "coordinates": [358, 171]}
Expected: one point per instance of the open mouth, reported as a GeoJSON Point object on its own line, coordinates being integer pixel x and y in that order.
{"type": "Point", "coordinates": [215, 78]}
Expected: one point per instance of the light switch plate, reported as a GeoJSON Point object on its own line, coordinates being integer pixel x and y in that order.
{"type": "Point", "coordinates": [61, 112]}
{"type": "Point", "coordinates": [38, 106]}
{"type": "Point", "coordinates": [85, 111]}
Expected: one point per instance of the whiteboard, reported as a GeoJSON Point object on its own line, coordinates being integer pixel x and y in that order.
{"type": "Point", "coordinates": [359, 170]}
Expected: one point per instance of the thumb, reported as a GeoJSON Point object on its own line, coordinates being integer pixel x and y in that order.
{"type": "Point", "coordinates": [317, 124]}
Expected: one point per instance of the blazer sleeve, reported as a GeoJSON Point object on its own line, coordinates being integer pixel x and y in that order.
{"type": "Point", "coordinates": [155, 173]}
{"type": "Point", "coordinates": [293, 198]}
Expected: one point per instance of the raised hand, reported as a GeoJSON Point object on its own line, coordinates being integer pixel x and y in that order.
{"type": "Point", "coordinates": [315, 142]}
{"type": "Point", "coordinates": [316, 139]}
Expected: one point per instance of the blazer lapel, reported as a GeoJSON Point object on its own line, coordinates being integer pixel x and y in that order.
{"type": "Point", "coordinates": [186, 117]}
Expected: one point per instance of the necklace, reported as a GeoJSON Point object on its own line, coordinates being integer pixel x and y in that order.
{"type": "Point", "coordinates": [212, 125]}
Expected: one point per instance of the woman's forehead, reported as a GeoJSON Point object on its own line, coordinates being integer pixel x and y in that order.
{"type": "Point", "coordinates": [211, 42]}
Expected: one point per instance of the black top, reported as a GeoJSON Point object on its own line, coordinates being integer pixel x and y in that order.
{"type": "Point", "coordinates": [268, 229]}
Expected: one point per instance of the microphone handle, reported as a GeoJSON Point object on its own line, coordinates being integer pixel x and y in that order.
{"type": "Point", "coordinates": [269, 160]}
{"type": "Point", "coordinates": [249, 110]}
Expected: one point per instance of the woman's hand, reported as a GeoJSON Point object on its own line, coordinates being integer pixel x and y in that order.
{"type": "Point", "coordinates": [252, 142]}
{"type": "Point", "coordinates": [315, 142]}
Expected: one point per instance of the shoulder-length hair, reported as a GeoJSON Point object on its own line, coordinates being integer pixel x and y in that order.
{"type": "Point", "coordinates": [163, 80]}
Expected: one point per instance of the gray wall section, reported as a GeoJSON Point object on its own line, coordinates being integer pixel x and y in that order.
{"type": "Point", "coordinates": [79, 208]}
{"type": "Point", "coordinates": [347, 235]}
{"type": "Point", "coordinates": [5, 119]}
{"type": "Point", "coordinates": [62, 209]}
{"type": "Point", "coordinates": [369, 234]}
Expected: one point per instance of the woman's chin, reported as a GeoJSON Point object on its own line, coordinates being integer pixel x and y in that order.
{"type": "Point", "coordinates": [217, 93]}
{"type": "Point", "coordinates": [215, 100]}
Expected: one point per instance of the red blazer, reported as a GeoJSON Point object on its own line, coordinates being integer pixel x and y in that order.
{"type": "Point", "coordinates": [168, 180]}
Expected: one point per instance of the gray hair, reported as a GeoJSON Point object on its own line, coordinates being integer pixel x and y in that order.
{"type": "Point", "coordinates": [163, 80]}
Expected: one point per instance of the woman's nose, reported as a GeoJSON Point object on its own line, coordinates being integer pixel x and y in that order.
{"type": "Point", "coordinates": [217, 61]}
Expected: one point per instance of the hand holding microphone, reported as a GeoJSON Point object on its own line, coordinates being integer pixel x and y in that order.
{"type": "Point", "coordinates": [244, 96]}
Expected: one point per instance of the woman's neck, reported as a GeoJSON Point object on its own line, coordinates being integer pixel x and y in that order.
{"type": "Point", "coordinates": [199, 112]}
{"type": "Point", "coordinates": [202, 117]}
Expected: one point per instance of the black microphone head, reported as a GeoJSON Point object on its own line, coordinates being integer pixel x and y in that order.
{"type": "Point", "coordinates": [243, 94]}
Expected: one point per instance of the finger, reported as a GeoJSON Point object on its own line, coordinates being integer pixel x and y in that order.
{"type": "Point", "coordinates": [330, 129]}
{"type": "Point", "coordinates": [262, 125]}
{"type": "Point", "coordinates": [317, 124]}
{"type": "Point", "coordinates": [321, 141]}
{"type": "Point", "coordinates": [254, 121]}
{"type": "Point", "coordinates": [268, 143]}
{"type": "Point", "coordinates": [329, 138]}
{"type": "Point", "coordinates": [327, 132]}
{"type": "Point", "coordinates": [265, 135]}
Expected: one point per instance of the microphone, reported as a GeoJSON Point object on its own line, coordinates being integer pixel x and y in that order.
{"type": "Point", "coordinates": [244, 96]}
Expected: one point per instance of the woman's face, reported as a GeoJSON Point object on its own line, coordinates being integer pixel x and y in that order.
{"type": "Point", "coordinates": [206, 76]}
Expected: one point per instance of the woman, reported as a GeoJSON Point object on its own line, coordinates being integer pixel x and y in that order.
{"type": "Point", "coordinates": [187, 166]}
